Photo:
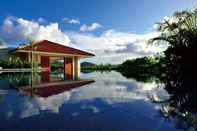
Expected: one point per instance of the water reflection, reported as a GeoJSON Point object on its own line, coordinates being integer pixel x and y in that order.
{"type": "Point", "coordinates": [182, 103]}
{"type": "Point", "coordinates": [112, 102]}
{"type": "Point", "coordinates": [19, 79]}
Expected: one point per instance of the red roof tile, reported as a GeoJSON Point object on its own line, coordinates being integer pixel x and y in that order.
{"type": "Point", "coordinates": [52, 47]}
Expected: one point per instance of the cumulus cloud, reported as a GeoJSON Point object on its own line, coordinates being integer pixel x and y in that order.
{"type": "Point", "coordinates": [111, 46]}
{"type": "Point", "coordinates": [115, 47]}
{"type": "Point", "coordinates": [42, 20]}
{"type": "Point", "coordinates": [17, 29]}
{"type": "Point", "coordinates": [90, 27]}
{"type": "Point", "coordinates": [71, 21]}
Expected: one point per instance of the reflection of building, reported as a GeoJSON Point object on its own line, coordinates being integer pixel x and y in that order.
{"type": "Point", "coordinates": [45, 51]}
{"type": "Point", "coordinates": [46, 89]}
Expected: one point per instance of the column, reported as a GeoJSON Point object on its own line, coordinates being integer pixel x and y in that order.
{"type": "Point", "coordinates": [77, 67]}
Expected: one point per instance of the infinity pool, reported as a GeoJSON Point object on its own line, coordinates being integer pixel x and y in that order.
{"type": "Point", "coordinates": [110, 103]}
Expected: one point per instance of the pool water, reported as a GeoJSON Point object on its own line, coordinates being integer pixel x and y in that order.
{"type": "Point", "coordinates": [111, 103]}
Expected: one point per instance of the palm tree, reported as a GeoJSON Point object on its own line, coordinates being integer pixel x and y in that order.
{"type": "Point", "coordinates": [180, 30]}
{"type": "Point", "coordinates": [180, 33]}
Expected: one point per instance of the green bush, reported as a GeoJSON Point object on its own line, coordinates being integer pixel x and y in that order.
{"type": "Point", "coordinates": [15, 62]}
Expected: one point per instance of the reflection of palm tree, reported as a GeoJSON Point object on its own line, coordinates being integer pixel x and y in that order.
{"type": "Point", "coordinates": [30, 41]}
{"type": "Point", "coordinates": [181, 105]}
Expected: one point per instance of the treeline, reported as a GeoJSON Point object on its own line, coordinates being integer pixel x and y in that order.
{"type": "Point", "coordinates": [99, 67]}
{"type": "Point", "coordinates": [143, 68]}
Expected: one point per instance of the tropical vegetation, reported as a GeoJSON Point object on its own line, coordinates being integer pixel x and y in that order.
{"type": "Point", "coordinates": [180, 33]}
{"type": "Point", "coordinates": [15, 62]}
{"type": "Point", "coordinates": [100, 67]}
{"type": "Point", "coordinates": [143, 69]}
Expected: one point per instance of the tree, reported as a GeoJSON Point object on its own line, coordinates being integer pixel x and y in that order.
{"type": "Point", "coordinates": [180, 33]}
{"type": "Point", "coordinates": [180, 30]}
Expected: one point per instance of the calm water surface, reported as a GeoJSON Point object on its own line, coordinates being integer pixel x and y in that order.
{"type": "Point", "coordinates": [111, 103]}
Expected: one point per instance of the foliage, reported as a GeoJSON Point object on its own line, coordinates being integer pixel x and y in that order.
{"type": "Point", "coordinates": [15, 62]}
{"type": "Point", "coordinates": [100, 67]}
{"type": "Point", "coordinates": [180, 33]}
{"type": "Point", "coordinates": [57, 65]}
{"type": "Point", "coordinates": [143, 69]}
{"type": "Point", "coordinates": [16, 78]}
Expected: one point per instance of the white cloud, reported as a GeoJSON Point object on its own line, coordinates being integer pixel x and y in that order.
{"type": "Point", "coordinates": [115, 47]}
{"type": "Point", "coordinates": [42, 20]}
{"type": "Point", "coordinates": [71, 21]}
{"type": "Point", "coordinates": [109, 47]}
{"type": "Point", "coordinates": [17, 29]}
{"type": "Point", "coordinates": [90, 27]}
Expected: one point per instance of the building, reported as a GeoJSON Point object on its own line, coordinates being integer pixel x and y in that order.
{"type": "Point", "coordinates": [43, 52]}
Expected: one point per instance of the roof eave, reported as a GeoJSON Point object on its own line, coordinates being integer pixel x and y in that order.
{"type": "Point", "coordinates": [55, 54]}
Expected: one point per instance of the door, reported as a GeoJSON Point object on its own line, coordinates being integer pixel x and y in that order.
{"type": "Point", "coordinates": [68, 68]}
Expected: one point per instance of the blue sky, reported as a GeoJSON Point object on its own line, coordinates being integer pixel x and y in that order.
{"type": "Point", "coordinates": [101, 20]}
{"type": "Point", "coordinates": [124, 15]}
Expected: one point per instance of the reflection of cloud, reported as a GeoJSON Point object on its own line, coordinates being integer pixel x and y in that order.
{"type": "Point", "coordinates": [116, 88]}
{"type": "Point", "coordinates": [29, 110]}
{"type": "Point", "coordinates": [52, 103]}
{"type": "Point", "coordinates": [9, 114]}
{"type": "Point", "coordinates": [75, 114]}
{"type": "Point", "coordinates": [111, 87]}
{"type": "Point", "coordinates": [3, 92]}
{"type": "Point", "coordinates": [90, 107]}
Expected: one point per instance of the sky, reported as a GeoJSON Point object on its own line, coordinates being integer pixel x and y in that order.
{"type": "Point", "coordinates": [114, 30]}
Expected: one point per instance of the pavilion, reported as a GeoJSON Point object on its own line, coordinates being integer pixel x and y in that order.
{"type": "Point", "coordinates": [43, 52]}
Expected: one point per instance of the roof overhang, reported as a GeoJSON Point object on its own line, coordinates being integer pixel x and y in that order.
{"type": "Point", "coordinates": [52, 54]}
{"type": "Point", "coordinates": [49, 48]}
